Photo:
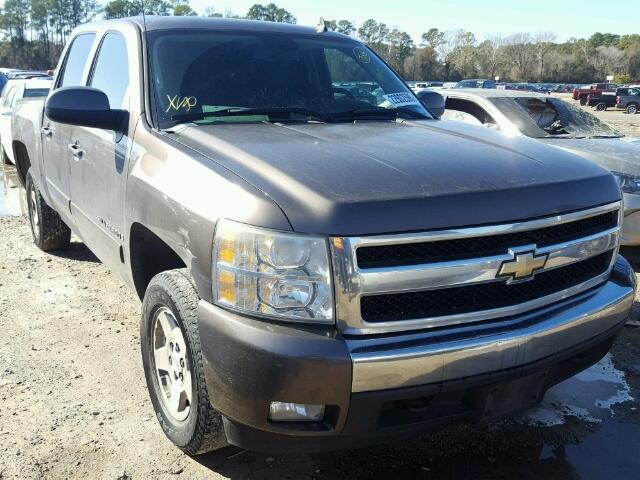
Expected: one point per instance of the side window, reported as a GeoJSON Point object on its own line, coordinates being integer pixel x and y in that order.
{"type": "Point", "coordinates": [76, 60]}
{"type": "Point", "coordinates": [471, 109]}
{"type": "Point", "coordinates": [111, 70]}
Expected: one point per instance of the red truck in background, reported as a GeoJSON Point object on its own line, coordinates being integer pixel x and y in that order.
{"type": "Point", "coordinates": [594, 89]}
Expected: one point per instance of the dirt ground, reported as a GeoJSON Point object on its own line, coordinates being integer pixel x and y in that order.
{"type": "Point", "coordinates": [74, 404]}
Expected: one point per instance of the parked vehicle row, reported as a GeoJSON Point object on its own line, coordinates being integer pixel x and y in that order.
{"type": "Point", "coordinates": [322, 263]}
{"type": "Point", "coordinates": [628, 99]}
{"type": "Point", "coordinates": [623, 98]}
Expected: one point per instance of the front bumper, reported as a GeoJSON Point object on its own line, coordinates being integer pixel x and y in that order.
{"type": "Point", "coordinates": [376, 387]}
{"type": "Point", "coordinates": [631, 222]}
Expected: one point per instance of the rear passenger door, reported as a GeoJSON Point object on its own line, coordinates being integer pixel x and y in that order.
{"type": "Point", "coordinates": [99, 161]}
{"type": "Point", "coordinates": [55, 137]}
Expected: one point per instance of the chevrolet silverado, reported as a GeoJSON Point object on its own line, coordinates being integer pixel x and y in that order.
{"type": "Point", "coordinates": [317, 269]}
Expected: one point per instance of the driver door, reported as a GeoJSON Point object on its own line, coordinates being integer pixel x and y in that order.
{"type": "Point", "coordinates": [99, 159]}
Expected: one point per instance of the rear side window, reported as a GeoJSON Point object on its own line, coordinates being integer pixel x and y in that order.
{"type": "Point", "coordinates": [111, 70]}
{"type": "Point", "coordinates": [36, 92]}
{"type": "Point", "coordinates": [76, 60]}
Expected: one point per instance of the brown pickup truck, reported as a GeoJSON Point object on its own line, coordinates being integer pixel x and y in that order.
{"type": "Point", "coordinates": [317, 268]}
{"type": "Point", "coordinates": [594, 89]}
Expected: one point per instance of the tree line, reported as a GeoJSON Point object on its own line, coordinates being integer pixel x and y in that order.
{"type": "Point", "coordinates": [34, 32]}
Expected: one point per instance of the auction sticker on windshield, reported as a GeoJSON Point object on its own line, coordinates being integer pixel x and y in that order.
{"type": "Point", "coordinates": [401, 99]}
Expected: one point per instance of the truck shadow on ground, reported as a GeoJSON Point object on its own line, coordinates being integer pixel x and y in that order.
{"type": "Point", "coordinates": [459, 452]}
{"type": "Point", "coordinates": [76, 251]}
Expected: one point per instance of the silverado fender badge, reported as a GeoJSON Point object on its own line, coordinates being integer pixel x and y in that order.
{"type": "Point", "coordinates": [524, 264]}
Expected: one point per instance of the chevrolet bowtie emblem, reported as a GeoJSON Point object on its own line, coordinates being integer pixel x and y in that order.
{"type": "Point", "coordinates": [523, 266]}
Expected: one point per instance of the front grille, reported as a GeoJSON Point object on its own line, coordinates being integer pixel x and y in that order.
{"type": "Point", "coordinates": [474, 298]}
{"type": "Point", "coordinates": [463, 248]}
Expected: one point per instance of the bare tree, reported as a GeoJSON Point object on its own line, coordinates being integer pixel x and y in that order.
{"type": "Point", "coordinates": [489, 56]}
{"type": "Point", "coordinates": [518, 50]}
{"type": "Point", "coordinates": [609, 60]}
{"type": "Point", "coordinates": [543, 43]}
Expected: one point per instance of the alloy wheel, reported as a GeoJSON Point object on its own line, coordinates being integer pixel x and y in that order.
{"type": "Point", "coordinates": [33, 212]}
{"type": "Point", "coordinates": [171, 364]}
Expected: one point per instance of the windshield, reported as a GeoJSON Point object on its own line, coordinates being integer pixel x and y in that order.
{"type": "Point", "coordinates": [197, 73]}
{"type": "Point", "coordinates": [551, 117]}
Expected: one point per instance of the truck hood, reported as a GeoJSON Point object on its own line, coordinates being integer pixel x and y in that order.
{"type": "Point", "coordinates": [617, 154]}
{"type": "Point", "coordinates": [371, 177]}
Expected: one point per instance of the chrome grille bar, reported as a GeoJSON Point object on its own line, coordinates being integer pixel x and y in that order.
{"type": "Point", "coordinates": [352, 282]}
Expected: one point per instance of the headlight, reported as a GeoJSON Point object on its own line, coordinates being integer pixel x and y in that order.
{"type": "Point", "coordinates": [628, 183]}
{"type": "Point", "coordinates": [274, 274]}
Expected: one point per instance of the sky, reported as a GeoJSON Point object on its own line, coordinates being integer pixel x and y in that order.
{"type": "Point", "coordinates": [565, 18]}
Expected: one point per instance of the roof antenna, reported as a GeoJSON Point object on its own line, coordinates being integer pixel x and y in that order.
{"type": "Point", "coordinates": [144, 19]}
{"type": "Point", "coordinates": [322, 26]}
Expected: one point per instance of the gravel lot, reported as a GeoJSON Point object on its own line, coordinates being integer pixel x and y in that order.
{"type": "Point", "coordinates": [73, 400]}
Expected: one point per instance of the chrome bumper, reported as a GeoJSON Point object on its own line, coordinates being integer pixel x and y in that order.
{"type": "Point", "coordinates": [394, 362]}
{"type": "Point", "coordinates": [631, 222]}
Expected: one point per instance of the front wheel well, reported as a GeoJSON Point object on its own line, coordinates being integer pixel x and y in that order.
{"type": "Point", "coordinates": [23, 162]}
{"type": "Point", "coordinates": [149, 256]}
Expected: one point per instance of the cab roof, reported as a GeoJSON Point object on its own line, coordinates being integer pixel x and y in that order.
{"type": "Point", "coordinates": [155, 23]}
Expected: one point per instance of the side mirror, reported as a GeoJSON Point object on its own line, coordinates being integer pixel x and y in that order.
{"type": "Point", "coordinates": [433, 101]}
{"type": "Point", "coordinates": [85, 107]}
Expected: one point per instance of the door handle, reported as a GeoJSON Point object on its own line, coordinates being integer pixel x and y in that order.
{"type": "Point", "coordinates": [76, 151]}
{"type": "Point", "coordinates": [47, 131]}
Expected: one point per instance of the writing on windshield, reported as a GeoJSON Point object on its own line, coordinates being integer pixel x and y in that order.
{"type": "Point", "coordinates": [198, 72]}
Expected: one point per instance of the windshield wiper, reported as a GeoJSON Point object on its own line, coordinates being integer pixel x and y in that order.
{"type": "Point", "coordinates": [379, 113]}
{"type": "Point", "coordinates": [284, 113]}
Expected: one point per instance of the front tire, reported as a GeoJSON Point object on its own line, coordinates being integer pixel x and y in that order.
{"type": "Point", "coordinates": [601, 107]}
{"type": "Point", "coordinates": [173, 364]}
{"type": "Point", "coordinates": [583, 101]}
{"type": "Point", "coordinates": [632, 109]}
{"type": "Point", "coordinates": [47, 228]}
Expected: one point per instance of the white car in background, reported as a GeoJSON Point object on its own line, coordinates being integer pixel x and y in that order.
{"type": "Point", "coordinates": [561, 124]}
{"type": "Point", "coordinates": [14, 90]}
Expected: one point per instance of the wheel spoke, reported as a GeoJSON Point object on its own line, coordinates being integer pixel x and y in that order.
{"type": "Point", "coordinates": [174, 401]}
{"type": "Point", "coordinates": [161, 356]}
{"type": "Point", "coordinates": [166, 324]}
